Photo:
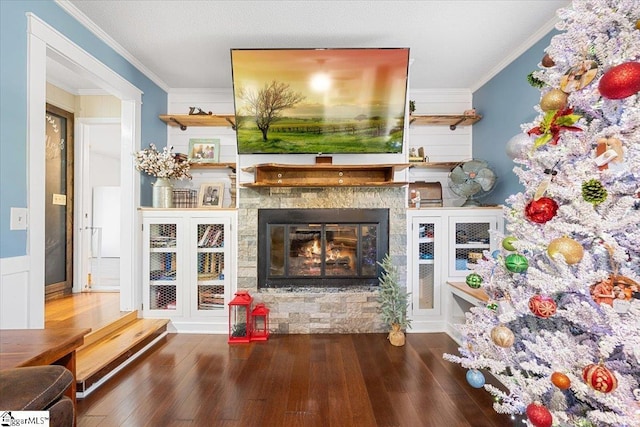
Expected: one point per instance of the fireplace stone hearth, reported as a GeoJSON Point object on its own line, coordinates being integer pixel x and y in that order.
{"type": "Point", "coordinates": [313, 309]}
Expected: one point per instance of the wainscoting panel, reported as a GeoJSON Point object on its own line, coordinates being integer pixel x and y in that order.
{"type": "Point", "coordinates": [14, 292]}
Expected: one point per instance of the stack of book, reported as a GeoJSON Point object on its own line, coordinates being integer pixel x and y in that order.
{"type": "Point", "coordinates": [185, 198]}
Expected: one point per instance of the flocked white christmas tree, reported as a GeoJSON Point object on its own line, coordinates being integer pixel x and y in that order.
{"type": "Point", "coordinates": [562, 329]}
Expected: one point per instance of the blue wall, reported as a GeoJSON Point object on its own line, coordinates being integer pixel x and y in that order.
{"type": "Point", "coordinates": [13, 103]}
{"type": "Point", "coordinates": [505, 102]}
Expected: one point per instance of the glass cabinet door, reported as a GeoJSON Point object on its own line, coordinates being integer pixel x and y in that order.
{"type": "Point", "coordinates": [210, 236]}
{"type": "Point", "coordinates": [470, 237]}
{"type": "Point", "coordinates": [162, 265]}
{"type": "Point", "coordinates": [426, 259]}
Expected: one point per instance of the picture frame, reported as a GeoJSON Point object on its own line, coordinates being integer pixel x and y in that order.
{"type": "Point", "coordinates": [211, 195]}
{"type": "Point", "coordinates": [204, 150]}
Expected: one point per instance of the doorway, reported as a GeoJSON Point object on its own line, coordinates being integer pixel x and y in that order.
{"type": "Point", "coordinates": [59, 125]}
{"type": "Point", "coordinates": [46, 43]}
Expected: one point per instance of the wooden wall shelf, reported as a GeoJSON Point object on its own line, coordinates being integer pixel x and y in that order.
{"type": "Point", "coordinates": [452, 120]}
{"type": "Point", "coordinates": [434, 165]}
{"type": "Point", "coordinates": [183, 121]}
{"type": "Point", "coordinates": [324, 175]}
{"type": "Point", "coordinates": [231, 165]}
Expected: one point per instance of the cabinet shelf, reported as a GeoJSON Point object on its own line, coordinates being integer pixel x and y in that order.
{"type": "Point", "coordinates": [324, 175]}
{"type": "Point", "coordinates": [183, 121]}
{"type": "Point", "coordinates": [451, 120]}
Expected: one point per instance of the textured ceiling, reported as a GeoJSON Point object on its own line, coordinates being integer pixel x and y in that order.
{"type": "Point", "coordinates": [454, 44]}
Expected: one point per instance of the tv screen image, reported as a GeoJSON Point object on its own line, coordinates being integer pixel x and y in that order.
{"type": "Point", "coordinates": [296, 101]}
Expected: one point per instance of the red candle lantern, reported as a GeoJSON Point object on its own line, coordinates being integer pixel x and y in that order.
{"type": "Point", "coordinates": [260, 318]}
{"type": "Point", "coordinates": [240, 318]}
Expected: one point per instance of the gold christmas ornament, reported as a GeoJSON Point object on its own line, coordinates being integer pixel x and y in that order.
{"type": "Point", "coordinates": [502, 336]}
{"type": "Point", "coordinates": [571, 250]}
{"type": "Point", "coordinates": [555, 99]}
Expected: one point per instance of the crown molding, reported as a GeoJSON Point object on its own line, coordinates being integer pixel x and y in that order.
{"type": "Point", "coordinates": [106, 38]}
{"type": "Point", "coordinates": [533, 39]}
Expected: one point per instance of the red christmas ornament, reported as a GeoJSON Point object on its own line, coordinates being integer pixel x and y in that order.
{"type": "Point", "coordinates": [599, 378]}
{"type": "Point", "coordinates": [542, 306]}
{"type": "Point", "coordinates": [541, 210]}
{"type": "Point", "coordinates": [539, 415]}
{"type": "Point", "coordinates": [620, 81]}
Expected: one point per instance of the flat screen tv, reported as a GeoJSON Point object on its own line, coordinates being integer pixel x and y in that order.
{"type": "Point", "coordinates": [295, 101]}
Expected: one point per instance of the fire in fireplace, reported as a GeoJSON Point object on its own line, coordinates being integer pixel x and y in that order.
{"type": "Point", "coordinates": [321, 247]}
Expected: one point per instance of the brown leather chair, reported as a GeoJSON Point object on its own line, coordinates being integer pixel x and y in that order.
{"type": "Point", "coordinates": [38, 388]}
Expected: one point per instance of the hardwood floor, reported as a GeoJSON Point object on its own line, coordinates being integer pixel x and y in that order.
{"type": "Point", "coordinates": [292, 380]}
{"type": "Point", "coordinates": [83, 310]}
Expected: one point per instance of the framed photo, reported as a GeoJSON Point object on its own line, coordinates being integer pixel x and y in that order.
{"type": "Point", "coordinates": [211, 195]}
{"type": "Point", "coordinates": [204, 150]}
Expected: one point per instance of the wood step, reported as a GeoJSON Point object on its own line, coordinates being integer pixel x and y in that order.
{"type": "Point", "coordinates": [102, 359]}
{"type": "Point", "coordinates": [99, 333]}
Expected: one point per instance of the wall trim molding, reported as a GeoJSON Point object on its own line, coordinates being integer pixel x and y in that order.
{"type": "Point", "coordinates": [533, 39]}
{"type": "Point", "coordinates": [13, 265]}
{"type": "Point", "coordinates": [15, 310]}
{"type": "Point", "coordinates": [109, 41]}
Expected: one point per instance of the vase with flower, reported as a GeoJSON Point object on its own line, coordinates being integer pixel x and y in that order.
{"type": "Point", "coordinates": [165, 166]}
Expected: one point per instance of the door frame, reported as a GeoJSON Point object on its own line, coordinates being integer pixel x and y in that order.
{"type": "Point", "coordinates": [44, 42]}
{"type": "Point", "coordinates": [64, 288]}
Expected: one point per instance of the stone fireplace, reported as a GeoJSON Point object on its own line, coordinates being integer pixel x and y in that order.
{"type": "Point", "coordinates": [346, 304]}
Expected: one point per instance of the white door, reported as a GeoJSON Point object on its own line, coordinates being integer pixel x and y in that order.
{"type": "Point", "coordinates": [99, 168]}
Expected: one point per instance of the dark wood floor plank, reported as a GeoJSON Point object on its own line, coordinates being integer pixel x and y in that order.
{"type": "Point", "coordinates": [375, 367]}
{"type": "Point", "coordinates": [292, 380]}
{"type": "Point", "coordinates": [299, 393]}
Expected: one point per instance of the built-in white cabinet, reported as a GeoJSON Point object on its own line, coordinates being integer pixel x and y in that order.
{"type": "Point", "coordinates": [443, 245]}
{"type": "Point", "coordinates": [188, 267]}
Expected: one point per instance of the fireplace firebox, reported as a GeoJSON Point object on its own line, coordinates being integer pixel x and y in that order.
{"type": "Point", "coordinates": [321, 247]}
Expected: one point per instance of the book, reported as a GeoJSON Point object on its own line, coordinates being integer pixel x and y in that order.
{"type": "Point", "coordinates": [205, 236]}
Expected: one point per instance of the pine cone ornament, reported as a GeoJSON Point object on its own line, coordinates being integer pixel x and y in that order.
{"type": "Point", "coordinates": [594, 192]}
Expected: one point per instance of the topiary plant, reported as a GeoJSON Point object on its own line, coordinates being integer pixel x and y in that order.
{"type": "Point", "coordinates": [394, 301]}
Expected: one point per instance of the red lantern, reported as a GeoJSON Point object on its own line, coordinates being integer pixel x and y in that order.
{"type": "Point", "coordinates": [260, 317]}
{"type": "Point", "coordinates": [599, 378]}
{"type": "Point", "coordinates": [240, 318]}
{"type": "Point", "coordinates": [541, 210]}
{"type": "Point", "coordinates": [542, 306]}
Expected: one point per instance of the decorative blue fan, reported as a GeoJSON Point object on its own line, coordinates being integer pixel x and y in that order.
{"type": "Point", "coordinates": [472, 180]}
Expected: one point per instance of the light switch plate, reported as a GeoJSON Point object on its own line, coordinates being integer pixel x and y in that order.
{"type": "Point", "coordinates": [59, 199]}
{"type": "Point", "coordinates": [19, 219]}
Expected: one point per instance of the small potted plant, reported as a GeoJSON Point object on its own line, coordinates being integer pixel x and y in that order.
{"type": "Point", "coordinates": [394, 302]}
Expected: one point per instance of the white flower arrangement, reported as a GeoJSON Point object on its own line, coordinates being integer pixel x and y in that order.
{"type": "Point", "coordinates": [162, 164]}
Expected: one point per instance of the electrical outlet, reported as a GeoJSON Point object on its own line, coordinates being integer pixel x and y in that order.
{"type": "Point", "coordinates": [19, 219]}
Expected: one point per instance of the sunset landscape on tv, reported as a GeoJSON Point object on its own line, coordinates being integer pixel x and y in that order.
{"type": "Point", "coordinates": [290, 101]}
